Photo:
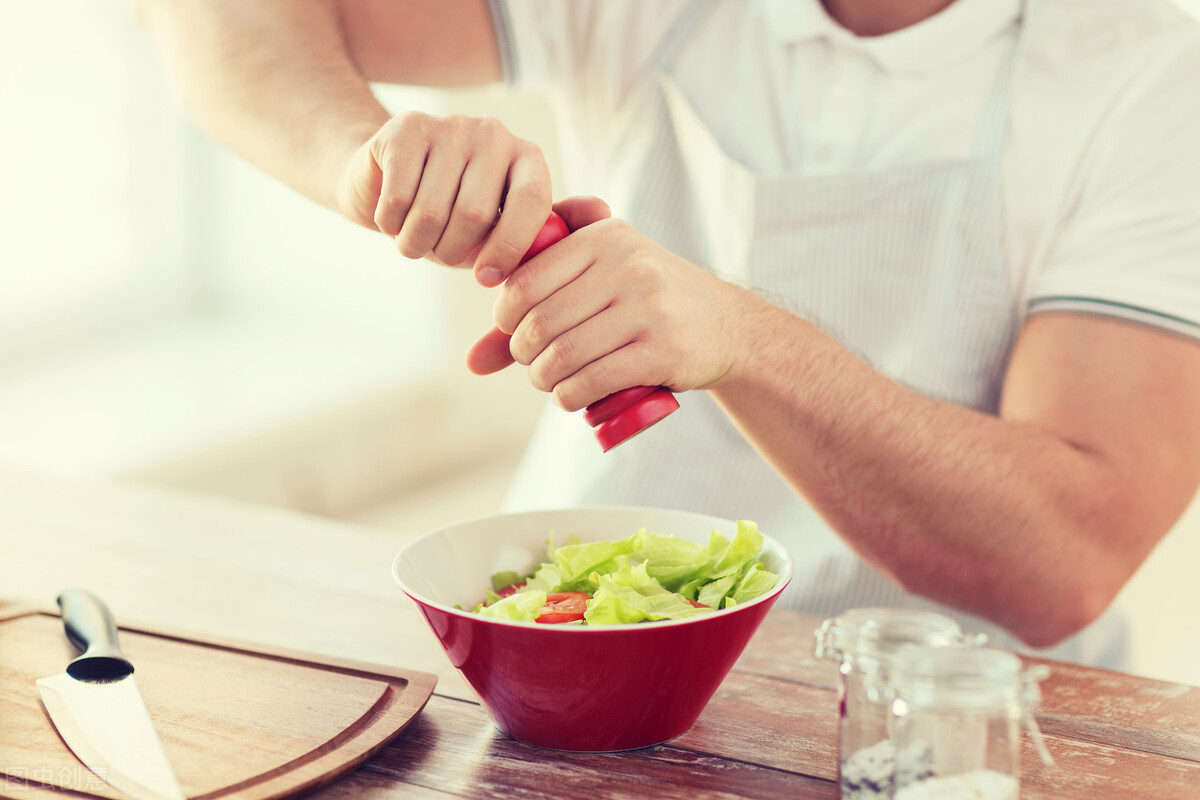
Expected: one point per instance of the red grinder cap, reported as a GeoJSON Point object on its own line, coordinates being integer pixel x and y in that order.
{"type": "Point", "coordinates": [636, 409]}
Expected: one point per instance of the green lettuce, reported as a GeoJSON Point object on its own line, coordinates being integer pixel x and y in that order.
{"type": "Point", "coordinates": [632, 595]}
{"type": "Point", "coordinates": [517, 607]}
{"type": "Point", "coordinates": [642, 577]}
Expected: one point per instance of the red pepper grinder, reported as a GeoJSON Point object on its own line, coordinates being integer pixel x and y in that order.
{"type": "Point", "coordinates": [624, 414]}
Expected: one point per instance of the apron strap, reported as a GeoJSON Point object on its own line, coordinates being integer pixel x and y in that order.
{"type": "Point", "coordinates": [688, 23]}
{"type": "Point", "coordinates": [993, 129]}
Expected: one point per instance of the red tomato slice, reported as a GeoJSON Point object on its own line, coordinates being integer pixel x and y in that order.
{"type": "Point", "coordinates": [511, 589]}
{"type": "Point", "coordinates": [563, 607]}
{"type": "Point", "coordinates": [696, 603]}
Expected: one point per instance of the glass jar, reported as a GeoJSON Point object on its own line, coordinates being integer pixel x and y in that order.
{"type": "Point", "coordinates": [863, 641]}
{"type": "Point", "coordinates": [956, 717]}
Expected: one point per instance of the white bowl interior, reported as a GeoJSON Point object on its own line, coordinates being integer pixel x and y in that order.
{"type": "Point", "coordinates": [453, 566]}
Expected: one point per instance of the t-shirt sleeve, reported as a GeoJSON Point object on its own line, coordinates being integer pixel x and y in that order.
{"type": "Point", "coordinates": [1130, 247]}
{"type": "Point", "coordinates": [533, 36]}
{"type": "Point", "coordinates": [599, 44]}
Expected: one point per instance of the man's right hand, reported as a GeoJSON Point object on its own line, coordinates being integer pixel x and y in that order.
{"type": "Point", "coordinates": [436, 184]}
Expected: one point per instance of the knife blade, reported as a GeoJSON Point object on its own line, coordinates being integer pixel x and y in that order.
{"type": "Point", "coordinates": [97, 709]}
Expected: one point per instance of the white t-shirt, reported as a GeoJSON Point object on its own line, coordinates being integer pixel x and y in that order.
{"type": "Point", "coordinates": [1101, 183]}
{"type": "Point", "coordinates": [1102, 172]}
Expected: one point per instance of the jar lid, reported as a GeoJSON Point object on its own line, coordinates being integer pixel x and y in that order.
{"type": "Point", "coordinates": [875, 634]}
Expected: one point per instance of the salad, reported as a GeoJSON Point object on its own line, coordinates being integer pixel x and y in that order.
{"type": "Point", "coordinates": [643, 577]}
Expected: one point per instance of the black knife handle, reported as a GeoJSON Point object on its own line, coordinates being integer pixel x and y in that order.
{"type": "Point", "coordinates": [91, 628]}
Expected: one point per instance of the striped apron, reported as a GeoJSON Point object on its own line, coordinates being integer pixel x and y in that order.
{"type": "Point", "coordinates": [905, 267]}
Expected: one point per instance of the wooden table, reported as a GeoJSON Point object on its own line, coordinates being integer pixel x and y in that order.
{"type": "Point", "coordinates": [286, 580]}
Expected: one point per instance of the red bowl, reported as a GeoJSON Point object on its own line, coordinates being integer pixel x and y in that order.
{"type": "Point", "coordinates": [573, 687]}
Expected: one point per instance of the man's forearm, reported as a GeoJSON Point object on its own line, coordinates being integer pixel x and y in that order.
{"type": "Point", "coordinates": [272, 80]}
{"type": "Point", "coordinates": [1009, 519]}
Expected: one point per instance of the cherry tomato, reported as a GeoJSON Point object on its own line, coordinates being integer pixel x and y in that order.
{"type": "Point", "coordinates": [563, 607]}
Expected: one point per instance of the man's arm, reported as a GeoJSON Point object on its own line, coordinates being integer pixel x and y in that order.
{"type": "Point", "coordinates": [1034, 519]}
{"type": "Point", "coordinates": [285, 84]}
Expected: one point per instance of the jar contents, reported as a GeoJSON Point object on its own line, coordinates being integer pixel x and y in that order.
{"type": "Point", "coordinates": [956, 719]}
{"type": "Point", "coordinates": [862, 642]}
{"type": "Point", "coordinates": [871, 772]}
{"type": "Point", "coordinates": [980, 784]}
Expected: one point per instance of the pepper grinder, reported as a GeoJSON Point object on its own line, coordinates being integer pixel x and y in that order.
{"type": "Point", "coordinates": [624, 414]}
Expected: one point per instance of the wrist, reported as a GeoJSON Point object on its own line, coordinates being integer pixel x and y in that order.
{"type": "Point", "coordinates": [350, 171]}
{"type": "Point", "coordinates": [759, 333]}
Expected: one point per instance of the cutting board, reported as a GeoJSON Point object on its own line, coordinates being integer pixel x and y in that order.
{"type": "Point", "coordinates": [236, 720]}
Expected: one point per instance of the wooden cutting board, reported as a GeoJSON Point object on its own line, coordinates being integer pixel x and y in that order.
{"type": "Point", "coordinates": [236, 720]}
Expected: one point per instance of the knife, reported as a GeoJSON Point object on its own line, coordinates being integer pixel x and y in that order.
{"type": "Point", "coordinates": [97, 709]}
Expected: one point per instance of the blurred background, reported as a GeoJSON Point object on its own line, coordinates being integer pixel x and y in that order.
{"type": "Point", "coordinates": [170, 316]}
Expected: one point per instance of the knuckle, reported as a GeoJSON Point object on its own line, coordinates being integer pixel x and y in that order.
{"type": "Point", "coordinates": [395, 205]}
{"type": "Point", "coordinates": [383, 221]}
{"type": "Point", "coordinates": [571, 394]}
{"type": "Point", "coordinates": [460, 127]}
{"type": "Point", "coordinates": [507, 251]}
{"type": "Point", "coordinates": [407, 250]}
{"type": "Point", "coordinates": [478, 215]}
{"type": "Point", "coordinates": [430, 220]}
{"type": "Point", "coordinates": [412, 120]}
{"type": "Point", "coordinates": [597, 374]}
{"type": "Point", "coordinates": [559, 354]}
{"type": "Point", "coordinates": [390, 214]}
{"type": "Point", "coordinates": [561, 398]}
{"type": "Point", "coordinates": [410, 249]}
{"type": "Point", "coordinates": [531, 194]}
{"type": "Point", "coordinates": [518, 286]}
{"type": "Point", "coordinates": [529, 149]}
{"type": "Point", "coordinates": [519, 353]}
{"type": "Point", "coordinates": [452, 121]}
{"type": "Point", "coordinates": [400, 130]}
{"type": "Point", "coordinates": [539, 379]}
{"type": "Point", "coordinates": [451, 256]}
{"type": "Point", "coordinates": [612, 226]}
{"type": "Point", "coordinates": [537, 327]}
{"type": "Point", "coordinates": [487, 128]}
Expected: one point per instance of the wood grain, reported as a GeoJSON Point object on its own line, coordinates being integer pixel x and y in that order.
{"type": "Point", "coordinates": [453, 750]}
{"type": "Point", "coordinates": [234, 723]}
{"type": "Point", "coordinates": [291, 583]}
{"type": "Point", "coordinates": [1077, 701]}
{"type": "Point", "coordinates": [793, 727]}
{"type": "Point", "coordinates": [453, 747]}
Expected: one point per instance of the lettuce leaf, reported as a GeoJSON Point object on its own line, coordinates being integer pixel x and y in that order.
{"type": "Point", "coordinates": [755, 582]}
{"type": "Point", "coordinates": [632, 595]}
{"type": "Point", "coordinates": [642, 577]}
{"type": "Point", "coordinates": [502, 580]}
{"type": "Point", "coordinates": [517, 607]}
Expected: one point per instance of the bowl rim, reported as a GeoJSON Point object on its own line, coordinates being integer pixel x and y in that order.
{"type": "Point", "coordinates": [785, 577]}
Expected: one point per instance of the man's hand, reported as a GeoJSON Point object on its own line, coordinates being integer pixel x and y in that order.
{"type": "Point", "coordinates": [606, 308]}
{"type": "Point", "coordinates": [437, 184]}
{"type": "Point", "coordinates": [491, 353]}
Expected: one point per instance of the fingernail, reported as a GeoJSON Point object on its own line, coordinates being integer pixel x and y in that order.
{"type": "Point", "coordinates": [489, 276]}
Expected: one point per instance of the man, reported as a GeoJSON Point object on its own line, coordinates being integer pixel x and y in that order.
{"type": "Point", "coordinates": [944, 339]}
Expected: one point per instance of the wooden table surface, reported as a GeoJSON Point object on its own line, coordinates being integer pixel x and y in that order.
{"type": "Point", "coordinates": [227, 570]}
